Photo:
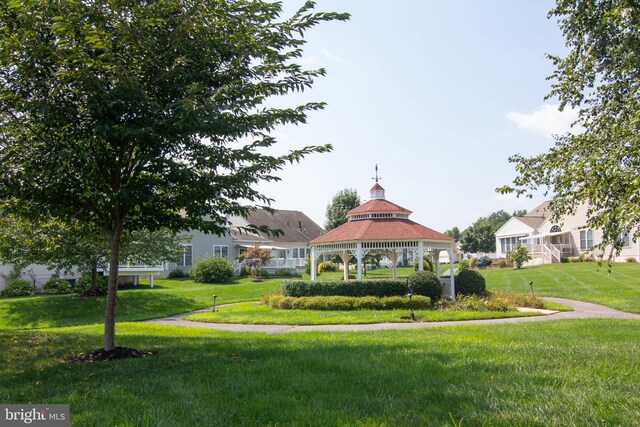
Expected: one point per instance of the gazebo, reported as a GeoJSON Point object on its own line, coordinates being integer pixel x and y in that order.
{"type": "Point", "coordinates": [382, 226]}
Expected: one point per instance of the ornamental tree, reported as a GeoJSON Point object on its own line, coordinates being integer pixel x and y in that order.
{"type": "Point", "coordinates": [519, 256]}
{"type": "Point", "coordinates": [598, 164]}
{"type": "Point", "coordinates": [136, 115]}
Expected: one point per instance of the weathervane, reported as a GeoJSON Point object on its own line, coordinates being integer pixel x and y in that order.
{"type": "Point", "coordinates": [377, 178]}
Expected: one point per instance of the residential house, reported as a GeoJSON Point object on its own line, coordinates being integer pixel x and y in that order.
{"type": "Point", "coordinates": [549, 241]}
{"type": "Point", "coordinates": [289, 250]}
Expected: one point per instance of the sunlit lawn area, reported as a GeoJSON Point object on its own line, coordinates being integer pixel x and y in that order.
{"type": "Point", "coordinates": [166, 298]}
{"type": "Point", "coordinates": [550, 373]}
{"type": "Point", "coordinates": [582, 281]}
{"type": "Point", "coordinates": [253, 313]}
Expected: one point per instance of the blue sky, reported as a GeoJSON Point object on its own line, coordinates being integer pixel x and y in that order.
{"type": "Point", "coordinates": [438, 94]}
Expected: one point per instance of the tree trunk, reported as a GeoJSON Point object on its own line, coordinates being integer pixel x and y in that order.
{"type": "Point", "coordinates": [94, 277]}
{"type": "Point", "coordinates": [112, 286]}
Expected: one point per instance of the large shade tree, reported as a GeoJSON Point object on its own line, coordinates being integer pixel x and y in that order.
{"type": "Point", "coordinates": [134, 114]}
{"type": "Point", "coordinates": [341, 203]}
{"type": "Point", "coordinates": [598, 163]}
{"type": "Point", "coordinates": [480, 236]}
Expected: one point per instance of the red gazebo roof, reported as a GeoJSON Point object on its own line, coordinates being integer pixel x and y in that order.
{"type": "Point", "coordinates": [381, 229]}
{"type": "Point", "coordinates": [378, 205]}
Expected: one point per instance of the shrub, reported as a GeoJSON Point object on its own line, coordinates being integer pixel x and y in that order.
{"type": "Point", "coordinates": [425, 283]}
{"type": "Point", "coordinates": [463, 265]}
{"type": "Point", "coordinates": [327, 266]}
{"type": "Point", "coordinates": [574, 259]}
{"type": "Point", "coordinates": [344, 303]}
{"type": "Point", "coordinates": [631, 259]}
{"type": "Point", "coordinates": [483, 261]}
{"type": "Point", "coordinates": [470, 282]}
{"type": "Point", "coordinates": [18, 288]}
{"type": "Point", "coordinates": [481, 303]}
{"type": "Point", "coordinates": [84, 282]}
{"type": "Point", "coordinates": [57, 286]}
{"type": "Point", "coordinates": [519, 300]}
{"type": "Point", "coordinates": [564, 260]}
{"type": "Point", "coordinates": [502, 264]}
{"type": "Point", "coordinates": [353, 288]}
{"type": "Point", "coordinates": [472, 261]}
{"type": "Point", "coordinates": [212, 269]}
{"type": "Point", "coordinates": [519, 256]}
{"type": "Point", "coordinates": [589, 258]}
{"type": "Point", "coordinates": [178, 274]}
{"type": "Point", "coordinates": [427, 265]}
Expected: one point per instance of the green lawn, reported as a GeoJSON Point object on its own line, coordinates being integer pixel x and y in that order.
{"type": "Point", "coordinates": [573, 373]}
{"type": "Point", "coordinates": [258, 314]}
{"type": "Point", "coordinates": [166, 298]}
{"type": "Point", "coordinates": [582, 281]}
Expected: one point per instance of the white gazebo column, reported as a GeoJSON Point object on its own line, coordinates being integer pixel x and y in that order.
{"type": "Point", "coordinates": [393, 255]}
{"type": "Point", "coordinates": [151, 280]}
{"type": "Point", "coordinates": [313, 270]}
{"type": "Point", "coordinates": [420, 256]}
{"type": "Point", "coordinates": [359, 256]}
{"type": "Point", "coordinates": [436, 261]}
{"type": "Point", "coordinates": [345, 256]}
{"type": "Point", "coordinates": [453, 276]}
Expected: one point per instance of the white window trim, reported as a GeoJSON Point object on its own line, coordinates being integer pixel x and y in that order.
{"type": "Point", "coordinates": [183, 262]}
{"type": "Point", "coordinates": [588, 236]}
{"type": "Point", "coordinates": [221, 246]}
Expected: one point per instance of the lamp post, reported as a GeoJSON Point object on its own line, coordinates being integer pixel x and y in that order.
{"type": "Point", "coordinates": [411, 315]}
{"type": "Point", "coordinates": [214, 302]}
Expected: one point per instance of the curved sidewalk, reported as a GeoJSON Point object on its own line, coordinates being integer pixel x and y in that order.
{"type": "Point", "coordinates": [581, 310]}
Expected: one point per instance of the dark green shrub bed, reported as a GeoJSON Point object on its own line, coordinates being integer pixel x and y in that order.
{"type": "Point", "coordinates": [470, 282]}
{"type": "Point", "coordinates": [352, 288]}
{"type": "Point", "coordinates": [348, 303]}
{"type": "Point", "coordinates": [18, 288]}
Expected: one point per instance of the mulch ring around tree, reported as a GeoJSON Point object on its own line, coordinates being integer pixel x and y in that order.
{"type": "Point", "coordinates": [102, 354]}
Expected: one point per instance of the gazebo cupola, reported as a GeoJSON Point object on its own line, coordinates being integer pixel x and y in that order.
{"type": "Point", "coordinates": [377, 192]}
{"type": "Point", "coordinates": [379, 225]}
{"type": "Point", "coordinates": [377, 207]}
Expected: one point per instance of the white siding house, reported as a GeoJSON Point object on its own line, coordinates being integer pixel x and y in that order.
{"type": "Point", "coordinates": [549, 242]}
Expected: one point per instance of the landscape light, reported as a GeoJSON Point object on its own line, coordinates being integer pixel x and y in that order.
{"type": "Point", "coordinates": [214, 302]}
{"type": "Point", "coordinates": [411, 315]}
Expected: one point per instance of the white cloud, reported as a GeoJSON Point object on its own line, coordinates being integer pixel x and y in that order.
{"type": "Point", "coordinates": [547, 120]}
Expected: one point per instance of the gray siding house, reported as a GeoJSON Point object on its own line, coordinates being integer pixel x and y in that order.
{"type": "Point", "coordinates": [289, 250]}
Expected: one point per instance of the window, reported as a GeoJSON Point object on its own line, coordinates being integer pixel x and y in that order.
{"type": "Point", "coordinates": [221, 251]}
{"type": "Point", "coordinates": [586, 240]}
{"type": "Point", "coordinates": [626, 240]}
{"type": "Point", "coordinates": [507, 244]}
{"type": "Point", "coordinates": [555, 229]}
{"type": "Point", "coordinates": [186, 259]}
{"type": "Point", "coordinates": [299, 253]}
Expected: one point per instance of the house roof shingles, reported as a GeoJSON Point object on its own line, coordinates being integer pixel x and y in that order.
{"type": "Point", "coordinates": [296, 226]}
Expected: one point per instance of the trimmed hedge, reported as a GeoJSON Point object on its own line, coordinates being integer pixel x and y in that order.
{"type": "Point", "coordinates": [352, 288]}
{"type": "Point", "coordinates": [425, 283]}
{"type": "Point", "coordinates": [470, 282]}
{"type": "Point", "coordinates": [348, 303]}
{"type": "Point", "coordinates": [212, 269]}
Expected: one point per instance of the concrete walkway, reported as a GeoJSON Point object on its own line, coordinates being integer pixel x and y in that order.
{"type": "Point", "coordinates": [581, 310]}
